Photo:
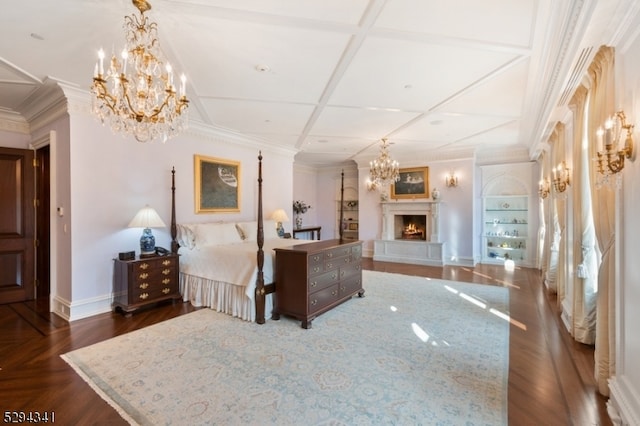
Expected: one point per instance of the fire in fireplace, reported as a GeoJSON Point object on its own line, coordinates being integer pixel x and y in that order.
{"type": "Point", "coordinates": [410, 227]}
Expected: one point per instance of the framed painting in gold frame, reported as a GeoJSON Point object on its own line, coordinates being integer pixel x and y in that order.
{"type": "Point", "coordinates": [217, 185]}
{"type": "Point", "coordinates": [413, 183]}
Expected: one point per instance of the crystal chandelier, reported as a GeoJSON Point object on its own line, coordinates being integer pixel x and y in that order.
{"type": "Point", "coordinates": [136, 94]}
{"type": "Point", "coordinates": [383, 171]}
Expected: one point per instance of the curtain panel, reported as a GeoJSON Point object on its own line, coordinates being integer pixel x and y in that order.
{"type": "Point", "coordinates": [601, 105]}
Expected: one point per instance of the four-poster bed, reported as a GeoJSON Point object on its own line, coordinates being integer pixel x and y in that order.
{"type": "Point", "coordinates": [223, 265]}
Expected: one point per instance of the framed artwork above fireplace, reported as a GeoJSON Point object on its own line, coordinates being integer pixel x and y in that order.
{"type": "Point", "coordinates": [413, 183]}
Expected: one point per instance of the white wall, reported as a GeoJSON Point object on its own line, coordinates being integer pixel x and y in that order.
{"type": "Point", "coordinates": [625, 385]}
{"type": "Point", "coordinates": [100, 180]}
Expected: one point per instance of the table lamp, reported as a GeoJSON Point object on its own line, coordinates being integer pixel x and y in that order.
{"type": "Point", "coordinates": [280, 216]}
{"type": "Point", "coordinates": [147, 218]}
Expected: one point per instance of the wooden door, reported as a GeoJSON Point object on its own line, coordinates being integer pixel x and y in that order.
{"type": "Point", "coordinates": [17, 240]}
{"type": "Point", "coordinates": [43, 223]}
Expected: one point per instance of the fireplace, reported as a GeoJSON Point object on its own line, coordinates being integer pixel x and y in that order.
{"type": "Point", "coordinates": [410, 227]}
{"type": "Point", "coordinates": [410, 233]}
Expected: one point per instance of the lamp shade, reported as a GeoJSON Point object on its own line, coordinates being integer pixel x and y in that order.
{"type": "Point", "coordinates": [280, 216]}
{"type": "Point", "coordinates": [147, 217]}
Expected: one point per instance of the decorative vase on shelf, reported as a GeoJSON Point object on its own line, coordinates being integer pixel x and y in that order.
{"type": "Point", "coordinates": [435, 194]}
{"type": "Point", "coordinates": [298, 221]}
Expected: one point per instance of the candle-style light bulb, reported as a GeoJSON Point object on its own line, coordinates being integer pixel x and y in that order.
{"type": "Point", "coordinates": [101, 61]}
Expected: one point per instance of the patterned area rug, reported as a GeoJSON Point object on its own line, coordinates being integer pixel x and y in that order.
{"type": "Point", "coordinates": [412, 351]}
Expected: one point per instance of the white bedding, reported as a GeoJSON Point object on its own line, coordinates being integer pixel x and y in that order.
{"type": "Point", "coordinates": [233, 263]}
{"type": "Point", "coordinates": [223, 277]}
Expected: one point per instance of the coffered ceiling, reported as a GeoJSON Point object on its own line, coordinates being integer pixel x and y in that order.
{"type": "Point", "coordinates": [329, 78]}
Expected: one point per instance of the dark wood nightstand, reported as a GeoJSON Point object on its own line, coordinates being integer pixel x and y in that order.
{"type": "Point", "coordinates": [144, 281]}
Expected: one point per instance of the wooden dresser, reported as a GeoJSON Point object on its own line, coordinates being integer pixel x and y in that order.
{"type": "Point", "coordinates": [143, 281]}
{"type": "Point", "coordinates": [313, 278]}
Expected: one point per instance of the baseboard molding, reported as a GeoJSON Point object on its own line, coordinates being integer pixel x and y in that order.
{"type": "Point", "coordinates": [72, 311]}
{"type": "Point", "coordinates": [623, 406]}
{"type": "Point", "coordinates": [461, 261]}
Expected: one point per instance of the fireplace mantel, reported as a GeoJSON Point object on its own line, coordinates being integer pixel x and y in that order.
{"type": "Point", "coordinates": [429, 208]}
{"type": "Point", "coordinates": [390, 249]}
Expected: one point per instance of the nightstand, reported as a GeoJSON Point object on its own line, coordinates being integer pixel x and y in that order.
{"type": "Point", "coordinates": [143, 281]}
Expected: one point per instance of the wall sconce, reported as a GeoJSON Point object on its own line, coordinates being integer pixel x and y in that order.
{"type": "Point", "coordinates": [561, 177]}
{"type": "Point", "coordinates": [609, 160]}
{"type": "Point", "coordinates": [544, 187]}
{"type": "Point", "coordinates": [451, 181]}
{"type": "Point", "coordinates": [371, 185]}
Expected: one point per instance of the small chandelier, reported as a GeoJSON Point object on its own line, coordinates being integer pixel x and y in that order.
{"type": "Point", "coordinates": [383, 171]}
{"type": "Point", "coordinates": [136, 94]}
{"type": "Point", "coordinates": [611, 160]}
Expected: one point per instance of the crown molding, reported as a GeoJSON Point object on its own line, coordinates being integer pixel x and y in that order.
{"type": "Point", "coordinates": [13, 122]}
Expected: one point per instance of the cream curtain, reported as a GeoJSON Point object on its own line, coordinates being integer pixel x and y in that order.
{"type": "Point", "coordinates": [554, 230]}
{"type": "Point", "coordinates": [602, 105]}
{"type": "Point", "coordinates": [583, 297]}
{"type": "Point", "coordinates": [543, 217]}
{"type": "Point", "coordinates": [558, 155]}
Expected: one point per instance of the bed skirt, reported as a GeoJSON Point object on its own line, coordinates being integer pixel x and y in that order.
{"type": "Point", "coordinates": [221, 296]}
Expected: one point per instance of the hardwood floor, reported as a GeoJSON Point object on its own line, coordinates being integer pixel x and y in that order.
{"type": "Point", "coordinates": [550, 375]}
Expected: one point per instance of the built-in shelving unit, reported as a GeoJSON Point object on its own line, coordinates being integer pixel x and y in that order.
{"type": "Point", "coordinates": [506, 232]}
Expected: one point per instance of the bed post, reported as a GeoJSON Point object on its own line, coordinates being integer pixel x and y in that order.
{"type": "Point", "coordinates": [260, 290]}
{"type": "Point", "coordinates": [174, 230]}
{"type": "Point", "coordinates": [340, 225]}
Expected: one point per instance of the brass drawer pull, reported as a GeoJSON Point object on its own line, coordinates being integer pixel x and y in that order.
{"type": "Point", "coordinates": [166, 271]}
{"type": "Point", "coordinates": [143, 276]}
{"type": "Point", "coordinates": [313, 284]}
{"type": "Point", "coordinates": [166, 290]}
{"type": "Point", "coordinates": [334, 292]}
{"type": "Point", "coordinates": [329, 255]}
{"type": "Point", "coordinates": [316, 269]}
{"type": "Point", "coordinates": [314, 302]}
{"type": "Point", "coordinates": [144, 265]}
{"type": "Point", "coordinates": [143, 296]}
{"type": "Point", "coordinates": [166, 281]}
{"type": "Point", "coordinates": [166, 262]}
{"type": "Point", "coordinates": [144, 286]}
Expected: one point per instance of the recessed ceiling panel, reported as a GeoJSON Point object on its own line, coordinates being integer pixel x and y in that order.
{"type": "Point", "coordinates": [344, 12]}
{"type": "Point", "coordinates": [258, 117]}
{"type": "Point", "coordinates": [446, 128]}
{"type": "Point", "coordinates": [359, 122]}
{"type": "Point", "coordinates": [245, 60]}
{"type": "Point", "coordinates": [501, 94]}
{"type": "Point", "coordinates": [410, 75]}
{"type": "Point", "coordinates": [487, 20]}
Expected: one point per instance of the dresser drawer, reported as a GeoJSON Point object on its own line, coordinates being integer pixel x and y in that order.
{"type": "Point", "coordinates": [350, 285]}
{"type": "Point", "coordinates": [323, 298]}
{"type": "Point", "coordinates": [353, 268]}
{"type": "Point", "coordinates": [318, 282]}
{"type": "Point", "coordinates": [336, 253]}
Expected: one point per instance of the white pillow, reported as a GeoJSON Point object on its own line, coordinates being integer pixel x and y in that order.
{"type": "Point", "coordinates": [249, 230]}
{"type": "Point", "coordinates": [213, 234]}
{"type": "Point", "coordinates": [186, 236]}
